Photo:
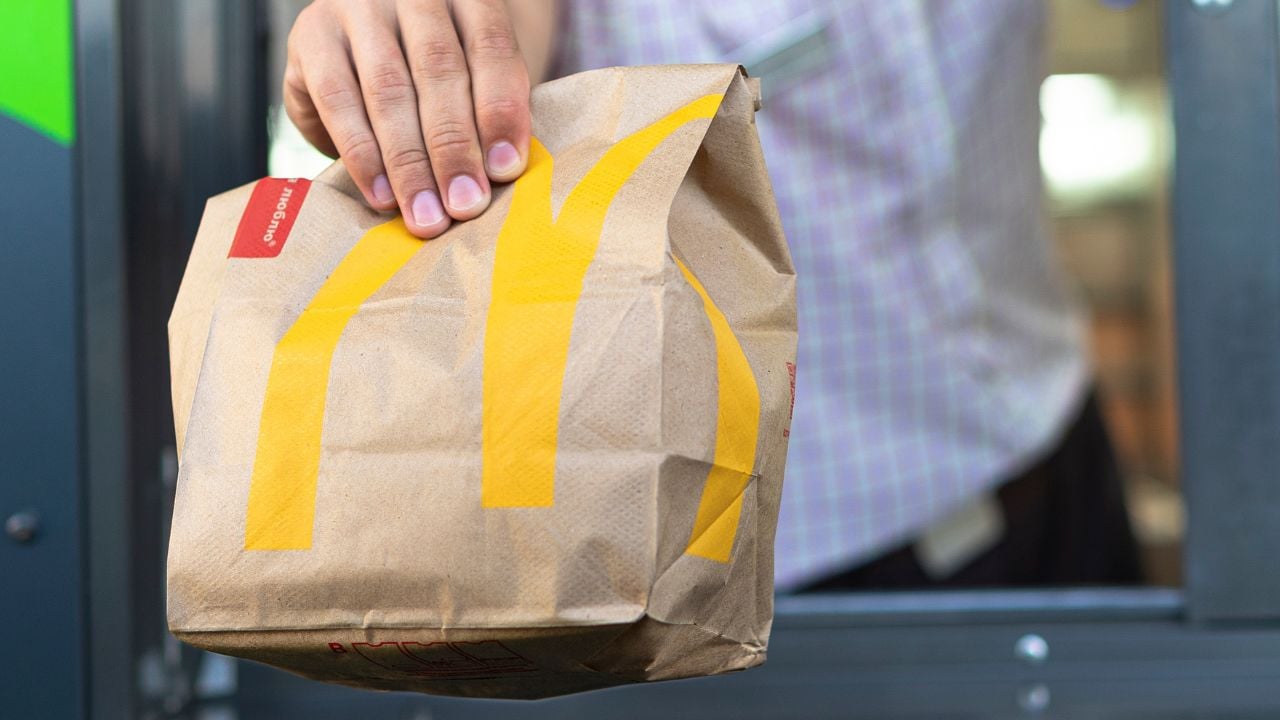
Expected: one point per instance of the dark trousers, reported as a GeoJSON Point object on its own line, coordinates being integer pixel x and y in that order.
{"type": "Point", "coordinates": [1065, 524]}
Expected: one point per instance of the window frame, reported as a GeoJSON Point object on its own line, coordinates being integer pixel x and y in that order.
{"type": "Point", "coordinates": [887, 654]}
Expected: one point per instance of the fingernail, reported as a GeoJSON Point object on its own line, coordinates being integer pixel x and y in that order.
{"type": "Point", "coordinates": [503, 158]}
{"type": "Point", "coordinates": [464, 193]}
{"type": "Point", "coordinates": [427, 210]}
{"type": "Point", "coordinates": [382, 190]}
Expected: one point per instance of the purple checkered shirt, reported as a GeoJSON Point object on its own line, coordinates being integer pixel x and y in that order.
{"type": "Point", "coordinates": [939, 352]}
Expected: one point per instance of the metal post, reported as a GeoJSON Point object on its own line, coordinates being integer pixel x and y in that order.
{"type": "Point", "coordinates": [194, 124]}
{"type": "Point", "coordinates": [1223, 68]}
{"type": "Point", "coordinates": [104, 422]}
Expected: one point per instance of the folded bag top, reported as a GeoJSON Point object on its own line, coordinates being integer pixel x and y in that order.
{"type": "Point", "coordinates": [539, 454]}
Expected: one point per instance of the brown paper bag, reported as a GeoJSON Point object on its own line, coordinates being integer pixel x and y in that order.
{"type": "Point", "coordinates": [539, 454]}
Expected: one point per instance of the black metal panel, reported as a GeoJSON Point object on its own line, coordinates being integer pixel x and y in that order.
{"type": "Point", "coordinates": [194, 124]}
{"type": "Point", "coordinates": [41, 595]}
{"type": "Point", "coordinates": [1223, 66]}
{"type": "Point", "coordinates": [109, 644]}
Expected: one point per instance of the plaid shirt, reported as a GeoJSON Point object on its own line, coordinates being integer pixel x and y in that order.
{"type": "Point", "coordinates": [939, 353]}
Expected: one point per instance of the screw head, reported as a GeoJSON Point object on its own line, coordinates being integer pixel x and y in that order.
{"type": "Point", "coordinates": [22, 526]}
{"type": "Point", "coordinates": [1032, 649]}
{"type": "Point", "coordinates": [1034, 699]}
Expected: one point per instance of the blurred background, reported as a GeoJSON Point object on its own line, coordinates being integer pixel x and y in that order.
{"type": "Point", "coordinates": [179, 99]}
{"type": "Point", "coordinates": [1106, 149]}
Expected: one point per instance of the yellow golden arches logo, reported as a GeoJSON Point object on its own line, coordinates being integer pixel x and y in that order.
{"type": "Point", "coordinates": [539, 268]}
{"type": "Point", "coordinates": [737, 430]}
{"type": "Point", "coordinates": [282, 491]}
{"type": "Point", "coordinates": [537, 278]}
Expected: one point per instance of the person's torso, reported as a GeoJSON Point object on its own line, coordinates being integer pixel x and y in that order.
{"type": "Point", "coordinates": [938, 350]}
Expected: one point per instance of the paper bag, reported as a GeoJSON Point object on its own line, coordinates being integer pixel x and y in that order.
{"type": "Point", "coordinates": [539, 454]}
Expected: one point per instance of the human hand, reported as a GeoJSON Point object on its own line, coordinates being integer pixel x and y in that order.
{"type": "Point", "coordinates": [425, 101]}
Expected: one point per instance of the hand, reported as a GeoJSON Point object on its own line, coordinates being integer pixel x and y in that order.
{"type": "Point", "coordinates": [426, 101]}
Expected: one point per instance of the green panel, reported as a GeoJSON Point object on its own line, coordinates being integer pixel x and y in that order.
{"type": "Point", "coordinates": [37, 67]}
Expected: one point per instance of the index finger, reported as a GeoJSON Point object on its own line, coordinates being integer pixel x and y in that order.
{"type": "Point", "coordinates": [333, 89]}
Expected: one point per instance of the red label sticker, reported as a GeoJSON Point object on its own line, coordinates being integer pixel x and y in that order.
{"type": "Point", "coordinates": [269, 217]}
